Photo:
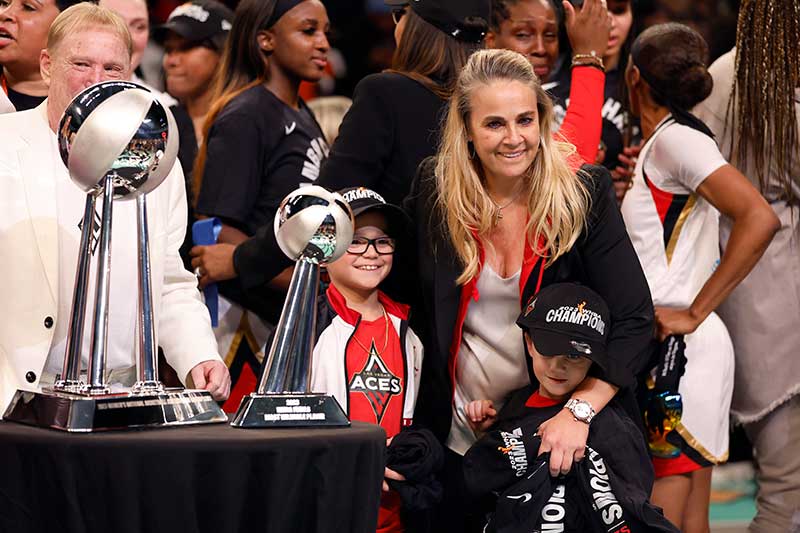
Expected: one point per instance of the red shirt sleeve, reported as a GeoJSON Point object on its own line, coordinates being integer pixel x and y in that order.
{"type": "Point", "coordinates": [583, 122]}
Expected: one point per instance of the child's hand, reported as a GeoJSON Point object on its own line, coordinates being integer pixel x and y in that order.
{"type": "Point", "coordinates": [388, 473]}
{"type": "Point", "coordinates": [481, 414]}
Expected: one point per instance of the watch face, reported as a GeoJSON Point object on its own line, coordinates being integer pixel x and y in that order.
{"type": "Point", "coordinates": [581, 410]}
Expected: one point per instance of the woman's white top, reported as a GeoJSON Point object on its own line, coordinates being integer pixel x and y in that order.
{"type": "Point", "coordinates": [491, 359]}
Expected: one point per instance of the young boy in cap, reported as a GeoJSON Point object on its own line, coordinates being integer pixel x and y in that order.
{"type": "Point", "coordinates": [366, 356]}
{"type": "Point", "coordinates": [565, 330]}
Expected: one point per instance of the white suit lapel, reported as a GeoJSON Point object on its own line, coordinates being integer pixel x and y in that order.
{"type": "Point", "coordinates": [36, 164]}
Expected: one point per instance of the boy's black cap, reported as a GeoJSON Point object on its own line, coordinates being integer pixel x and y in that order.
{"type": "Point", "coordinates": [198, 20]}
{"type": "Point", "coordinates": [362, 199]}
{"type": "Point", "coordinates": [465, 20]}
{"type": "Point", "coordinates": [568, 319]}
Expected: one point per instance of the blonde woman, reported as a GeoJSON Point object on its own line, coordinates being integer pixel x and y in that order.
{"type": "Point", "coordinates": [499, 214]}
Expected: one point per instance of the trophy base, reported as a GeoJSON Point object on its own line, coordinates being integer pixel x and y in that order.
{"type": "Point", "coordinates": [82, 413]}
{"type": "Point", "coordinates": [289, 410]}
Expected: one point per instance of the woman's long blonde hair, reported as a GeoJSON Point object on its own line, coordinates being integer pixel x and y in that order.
{"type": "Point", "coordinates": [557, 199]}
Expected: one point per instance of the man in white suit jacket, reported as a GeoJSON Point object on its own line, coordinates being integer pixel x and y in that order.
{"type": "Point", "coordinates": [5, 104]}
{"type": "Point", "coordinates": [38, 233]}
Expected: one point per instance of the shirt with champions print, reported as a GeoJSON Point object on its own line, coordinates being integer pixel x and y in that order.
{"type": "Point", "coordinates": [259, 150]}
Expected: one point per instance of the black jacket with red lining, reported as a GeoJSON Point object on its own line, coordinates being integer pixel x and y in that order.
{"type": "Point", "coordinates": [602, 259]}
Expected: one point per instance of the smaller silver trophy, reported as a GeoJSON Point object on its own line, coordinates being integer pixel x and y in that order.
{"type": "Point", "coordinates": [119, 143]}
{"type": "Point", "coordinates": [313, 227]}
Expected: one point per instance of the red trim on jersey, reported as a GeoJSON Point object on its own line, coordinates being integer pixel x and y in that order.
{"type": "Point", "coordinates": [662, 199]}
{"type": "Point", "coordinates": [674, 466]}
{"type": "Point", "coordinates": [670, 207]}
{"type": "Point", "coordinates": [537, 400]}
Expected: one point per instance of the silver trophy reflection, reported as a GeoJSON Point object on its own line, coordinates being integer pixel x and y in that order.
{"type": "Point", "coordinates": [313, 227]}
{"type": "Point", "coordinates": [119, 143]}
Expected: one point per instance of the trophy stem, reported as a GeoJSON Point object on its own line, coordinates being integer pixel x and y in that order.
{"type": "Point", "coordinates": [70, 375]}
{"type": "Point", "coordinates": [275, 376]}
{"type": "Point", "coordinates": [148, 352]}
{"type": "Point", "coordinates": [97, 356]}
{"type": "Point", "coordinates": [300, 372]}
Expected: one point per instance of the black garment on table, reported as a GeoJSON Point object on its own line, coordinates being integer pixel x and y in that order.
{"type": "Point", "coordinates": [187, 151]}
{"type": "Point", "coordinates": [505, 461]}
{"type": "Point", "coordinates": [613, 130]}
{"type": "Point", "coordinates": [418, 456]}
{"type": "Point", "coordinates": [603, 259]}
{"type": "Point", "coordinates": [391, 127]}
{"type": "Point", "coordinates": [259, 150]}
{"type": "Point", "coordinates": [23, 102]}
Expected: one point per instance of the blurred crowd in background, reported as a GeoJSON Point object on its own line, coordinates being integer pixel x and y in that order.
{"type": "Point", "coordinates": [362, 40]}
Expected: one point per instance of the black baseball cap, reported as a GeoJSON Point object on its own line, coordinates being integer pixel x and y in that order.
{"type": "Point", "coordinates": [362, 199]}
{"type": "Point", "coordinates": [568, 319]}
{"type": "Point", "coordinates": [199, 20]}
{"type": "Point", "coordinates": [465, 20]}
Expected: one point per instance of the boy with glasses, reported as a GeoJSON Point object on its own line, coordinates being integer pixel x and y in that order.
{"type": "Point", "coordinates": [366, 355]}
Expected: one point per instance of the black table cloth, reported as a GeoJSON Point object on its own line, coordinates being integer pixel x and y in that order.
{"type": "Point", "coordinates": [198, 479]}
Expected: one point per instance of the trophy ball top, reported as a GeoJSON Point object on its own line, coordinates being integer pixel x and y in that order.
{"type": "Point", "coordinates": [314, 224]}
{"type": "Point", "coordinates": [118, 127]}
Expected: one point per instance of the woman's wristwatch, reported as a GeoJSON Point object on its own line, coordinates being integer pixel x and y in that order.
{"type": "Point", "coordinates": [581, 410]}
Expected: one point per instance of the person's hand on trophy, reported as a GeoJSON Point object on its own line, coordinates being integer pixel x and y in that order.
{"type": "Point", "coordinates": [213, 263]}
{"type": "Point", "coordinates": [214, 377]}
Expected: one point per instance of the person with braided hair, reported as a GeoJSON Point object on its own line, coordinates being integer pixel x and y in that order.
{"type": "Point", "coordinates": [753, 110]}
{"type": "Point", "coordinates": [680, 185]}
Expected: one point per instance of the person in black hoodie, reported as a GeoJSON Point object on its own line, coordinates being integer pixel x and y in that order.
{"type": "Point", "coordinates": [391, 127]}
{"type": "Point", "coordinates": [566, 330]}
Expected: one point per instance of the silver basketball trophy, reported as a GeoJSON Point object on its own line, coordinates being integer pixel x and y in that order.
{"type": "Point", "coordinates": [119, 143]}
{"type": "Point", "coordinates": [313, 227]}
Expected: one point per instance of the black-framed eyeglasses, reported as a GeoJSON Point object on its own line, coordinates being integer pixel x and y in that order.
{"type": "Point", "coordinates": [397, 14]}
{"type": "Point", "coordinates": [382, 245]}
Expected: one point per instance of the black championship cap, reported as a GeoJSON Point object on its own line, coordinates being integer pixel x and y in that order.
{"type": "Point", "coordinates": [199, 20]}
{"type": "Point", "coordinates": [362, 199]}
{"type": "Point", "coordinates": [465, 20]}
{"type": "Point", "coordinates": [568, 319]}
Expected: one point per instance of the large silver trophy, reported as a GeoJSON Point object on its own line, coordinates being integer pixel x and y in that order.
{"type": "Point", "coordinates": [119, 143]}
{"type": "Point", "coordinates": [313, 227]}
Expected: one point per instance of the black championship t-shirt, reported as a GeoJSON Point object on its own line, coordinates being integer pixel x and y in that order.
{"type": "Point", "coordinates": [613, 132]}
{"type": "Point", "coordinates": [259, 150]}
